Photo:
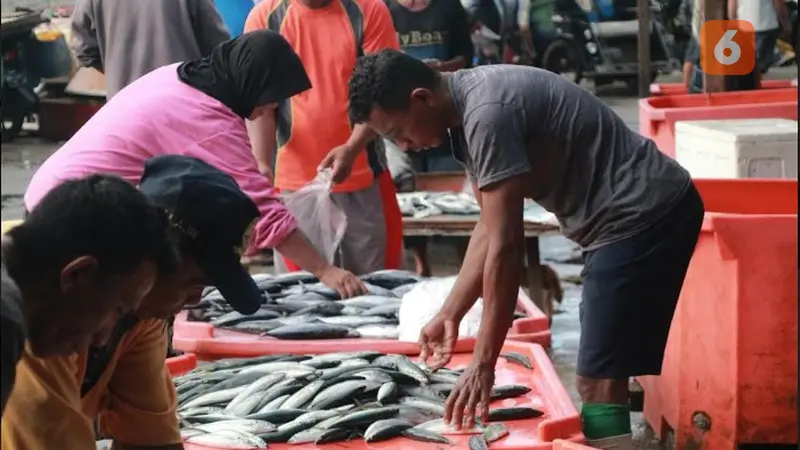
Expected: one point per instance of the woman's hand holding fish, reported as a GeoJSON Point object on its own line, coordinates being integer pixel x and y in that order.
{"type": "Point", "coordinates": [437, 341]}
{"type": "Point", "coordinates": [343, 282]}
{"type": "Point", "coordinates": [470, 396]}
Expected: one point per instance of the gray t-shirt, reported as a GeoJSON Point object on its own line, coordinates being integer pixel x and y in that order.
{"type": "Point", "coordinates": [603, 181]}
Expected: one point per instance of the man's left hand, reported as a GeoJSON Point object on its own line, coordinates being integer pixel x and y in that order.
{"type": "Point", "coordinates": [471, 396]}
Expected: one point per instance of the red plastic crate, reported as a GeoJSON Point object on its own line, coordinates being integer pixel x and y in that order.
{"type": "Point", "coordinates": [178, 365]}
{"type": "Point", "coordinates": [208, 342]}
{"type": "Point", "coordinates": [732, 348]}
{"type": "Point", "coordinates": [561, 419]}
{"type": "Point", "coordinates": [658, 89]}
{"type": "Point", "coordinates": [657, 115]}
{"type": "Point", "coordinates": [560, 444]}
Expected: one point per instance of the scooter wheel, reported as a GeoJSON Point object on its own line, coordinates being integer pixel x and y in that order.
{"type": "Point", "coordinates": [562, 58]}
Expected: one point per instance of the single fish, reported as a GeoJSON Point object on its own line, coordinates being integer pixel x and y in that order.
{"type": "Point", "coordinates": [513, 413]}
{"type": "Point", "coordinates": [278, 416]}
{"type": "Point", "coordinates": [477, 442]}
{"type": "Point", "coordinates": [241, 425]}
{"type": "Point", "coordinates": [310, 331]}
{"type": "Point", "coordinates": [424, 405]}
{"type": "Point", "coordinates": [234, 317]}
{"type": "Point", "coordinates": [353, 321]}
{"type": "Point", "coordinates": [407, 367]}
{"type": "Point", "coordinates": [304, 395]}
{"type": "Point", "coordinates": [247, 400]}
{"type": "Point", "coordinates": [387, 392]}
{"type": "Point", "coordinates": [227, 439]}
{"type": "Point", "coordinates": [423, 435]}
{"type": "Point", "coordinates": [214, 398]}
{"type": "Point", "coordinates": [440, 427]}
{"type": "Point", "coordinates": [365, 417]}
{"type": "Point", "coordinates": [517, 358]}
{"type": "Point", "coordinates": [509, 391]}
{"type": "Point", "coordinates": [385, 429]}
{"type": "Point", "coordinates": [332, 435]}
{"type": "Point", "coordinates": [495, 432]}
{"type": "Point", "coordinates": [334, 394]}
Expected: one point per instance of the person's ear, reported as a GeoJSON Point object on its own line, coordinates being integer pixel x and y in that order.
{"type": "Point", "coordinates": [79, 272]}
{"type": "Point", "coordinates": [422, 95]}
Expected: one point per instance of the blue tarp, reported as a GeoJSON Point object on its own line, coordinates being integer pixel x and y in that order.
{"type": "Point", "coordinates": [234, 13]}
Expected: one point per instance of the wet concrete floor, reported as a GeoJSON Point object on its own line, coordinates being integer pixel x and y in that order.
{"type": "Point", "coordinates": [21, 158]}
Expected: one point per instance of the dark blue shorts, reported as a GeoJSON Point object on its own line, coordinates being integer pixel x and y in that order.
{"type": "Point", "coordinates": [630, 290]}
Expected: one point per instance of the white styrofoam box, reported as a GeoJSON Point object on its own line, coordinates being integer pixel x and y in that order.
{"type": "Point", "coordinates": [737, 148]}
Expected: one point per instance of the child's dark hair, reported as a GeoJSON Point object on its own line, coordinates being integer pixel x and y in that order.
{"type": "Point", "coordinates": [100, 215]}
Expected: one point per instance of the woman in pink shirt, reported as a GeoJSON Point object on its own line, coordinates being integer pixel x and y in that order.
{"type": "Point", "coordinates": [198, 108]}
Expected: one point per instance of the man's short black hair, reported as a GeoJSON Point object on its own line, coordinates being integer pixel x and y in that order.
{"type": "Point", "coordinates": [100, 215]}
{"type": "Point", "coordinates": [386, 79]}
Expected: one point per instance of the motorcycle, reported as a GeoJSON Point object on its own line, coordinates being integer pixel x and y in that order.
{"type": "Point", "coordinates": [487, 45]}
{"type": "Point", "coordinates": [19, 98]}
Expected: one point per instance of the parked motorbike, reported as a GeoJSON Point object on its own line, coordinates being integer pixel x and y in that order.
{"type": "Point", "coordinates": [19, 99]}
{"type": "Point", "coordinates": [488, 45]}
{"type": "Point", "coordinates": [564, 39]}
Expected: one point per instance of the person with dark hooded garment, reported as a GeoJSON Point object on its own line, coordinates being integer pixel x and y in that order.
{"type": "Point", "coordinates": [193, 109]}
{"type": "Point", "coordinates": [198, 108]}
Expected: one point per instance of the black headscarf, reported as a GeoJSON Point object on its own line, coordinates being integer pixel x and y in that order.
{"type": "Point", "coordinates": [251, 70]}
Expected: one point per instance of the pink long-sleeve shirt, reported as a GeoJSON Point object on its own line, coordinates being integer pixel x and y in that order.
{"type": "Point", "coordinates": [156, 115]}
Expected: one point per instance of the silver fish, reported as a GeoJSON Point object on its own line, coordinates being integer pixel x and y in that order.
{"type": "Point", "coordinates": [385, 429]}
{"type": "Point", "coordinates": [227, 439]}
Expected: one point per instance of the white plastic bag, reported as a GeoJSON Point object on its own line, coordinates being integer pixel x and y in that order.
{"type": "Point", "coordinates": [400, 168]}
{"type": "Point", "coordinates": [320, 219]}
{"type": "Point", "coordinates": [423, 302]}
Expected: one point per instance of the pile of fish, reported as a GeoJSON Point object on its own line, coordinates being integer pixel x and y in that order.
{"type": "Point", "coordinates": [423, 204]}
{"type": "Point", "coordinates": [300, 399]}
{"type": "Point", "coordinates": [297, 306]}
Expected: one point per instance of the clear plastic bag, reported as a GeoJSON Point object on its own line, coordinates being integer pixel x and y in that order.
{"type": "Point", "coordinates": [320, 219]}
{"type": "Point", "coordinates": [399, 167]}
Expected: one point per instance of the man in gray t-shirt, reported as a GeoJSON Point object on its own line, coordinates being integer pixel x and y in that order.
{"type": "Point", "coordinates": [527, 133]}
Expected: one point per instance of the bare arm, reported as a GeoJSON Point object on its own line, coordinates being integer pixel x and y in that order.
{"type": "Point", "coordinates": [297, 248]}
{"type": "Point", "coordinates": [84, 36]}
{"type": "Point", "coordinates": [361, 135]}
{"type": "Point", "coordinates": [732, 10]}
{"type": "Point", "coordinates": [469, 283]}
{"type": "Point", "coordinates": [524, 23]}
{"type": "Point", "coordinates": [501, 214]}
{"type": "Point", "coordinates": [498, 152]}
{"type": "Point", "coordinates": [209, 29]}
{"type": "Point", "coordinates": [460, 45]}
{"type": "Point", "coordinates": [262, 133]}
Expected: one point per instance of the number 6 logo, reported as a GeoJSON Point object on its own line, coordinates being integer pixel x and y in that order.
{"type": "Point", "coordinates": [727, 47]}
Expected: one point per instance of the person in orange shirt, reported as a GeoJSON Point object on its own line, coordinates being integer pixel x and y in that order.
{"type": "Point", "coordinates": [312, 128]}
{"type": "Point", "coordinates": [124, 385]}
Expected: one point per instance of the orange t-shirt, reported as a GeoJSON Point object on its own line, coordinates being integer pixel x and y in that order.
{"type": "Point", "coordinates": [134, 399]}
{"type": "Point", "coordinates": [316, 120]}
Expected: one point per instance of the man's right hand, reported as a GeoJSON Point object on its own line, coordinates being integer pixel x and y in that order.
{"type": "Point", "coordinates": [340, 160]}
{"type": "Point", "coordinates": [343, 282]}
{"type": "Point", "coordinates": [437, 341]}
